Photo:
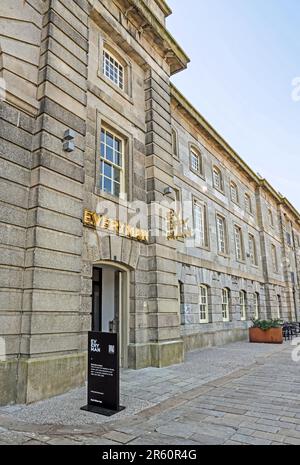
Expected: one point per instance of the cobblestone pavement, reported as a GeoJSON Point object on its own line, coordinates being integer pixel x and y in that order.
{"type": "Point", "coordinates": [236, 394]}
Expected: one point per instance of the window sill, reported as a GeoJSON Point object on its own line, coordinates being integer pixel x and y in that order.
{"type": "Point", "coordinates": [224, 255]}
{"type": "Point", "coordinates": [203, 247]}
{"type": "Point", "coordinates": [105, 195]}
{"type": "Point", "coordinates": [219, 190]}
{"type": "Point", "coordinates": [198, 173]}
{"type": "Point", "coordinates": [114, 86]}
{"type": "Point", "coordinates": [237, 204]}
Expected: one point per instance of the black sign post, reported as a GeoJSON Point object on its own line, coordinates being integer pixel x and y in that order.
{"type": "Point", "coordinates": [103, 395]}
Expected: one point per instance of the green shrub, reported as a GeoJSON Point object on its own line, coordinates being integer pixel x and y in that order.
{"type": "Point", "coordinates": [266, 324]}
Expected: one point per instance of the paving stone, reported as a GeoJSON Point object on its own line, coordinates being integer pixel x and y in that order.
{"type": "Point", "coordinates": [249, 440]}
{"type": "Point", "coordinates": [244, 410]}
{"type": "Point", "coordinates": [118, 436]}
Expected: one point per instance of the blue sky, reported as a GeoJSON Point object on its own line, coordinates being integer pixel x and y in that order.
{"type": "Point", "coordinates": [244, 56]}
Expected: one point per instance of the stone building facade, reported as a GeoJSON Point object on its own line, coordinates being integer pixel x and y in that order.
{"type": "Point", "coordinates": [91, 132]}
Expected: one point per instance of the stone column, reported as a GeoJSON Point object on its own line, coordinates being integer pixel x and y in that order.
{"type": "Point", "coordinates": [164, 322]}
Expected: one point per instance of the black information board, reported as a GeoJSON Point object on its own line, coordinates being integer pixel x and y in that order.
{"type": "Point", "coordinates": [103, 395]}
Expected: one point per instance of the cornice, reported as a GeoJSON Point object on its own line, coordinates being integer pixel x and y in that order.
{"type": "Point", "coordinates": [164, 7]}
{"type": "Point", "coordinates": [175, 55]}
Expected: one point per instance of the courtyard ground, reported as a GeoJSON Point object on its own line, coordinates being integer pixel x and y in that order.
{"type": "Point", "coordinates": [239, 393]}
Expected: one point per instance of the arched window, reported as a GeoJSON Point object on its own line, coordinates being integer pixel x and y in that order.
{"type": "Point", "coordinates": [217, 178]}
{"type": "Point", "coordinates": [239, 245]}
{"type": "Point", "coordinates": [256, 305]}
{"type": "Point", "coordinates": [203, 304]}
{"type": "Point", "coordinates": [243, 305]}
{"type": "Point", "coordinates": [221, 234]}
{"type": "Point", "coordinates": [225, 304]}
{"type": "Point", "coordinates": [252, 250]}
{"type": "Point", "coordinates": [113, 69]}
{"type": "Point", "coordinates": [174, 143]}
{"type": "Point", "coordinates": [234, 192]}
{"type": "Point", "coordinates": [196, 161]}
{"type": "Point", "coordinates": [200, 224]}
{"type": "Point", "coordinates": [248, 203]}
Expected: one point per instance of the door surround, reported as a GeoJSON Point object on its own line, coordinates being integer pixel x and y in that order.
{"type": "Point", "coordinates": [124, 306]}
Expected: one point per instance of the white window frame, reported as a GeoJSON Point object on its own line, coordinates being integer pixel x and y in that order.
{"type": "Point", "coordinates": [200, 224]}
{"type": "Point", "coordinates": [221, 234]}
{"type": "Point", "coordinates": [248, 203]}
{"type": "Point", "coordinates": [234, 192]}
{"type": "Point", "coordinates": [217, 178]}
{"type": "Point", "coordinates": [243, 305]}
{"type": "Point", "coordinates": [113, 69]}
{"type": "Point", "coordinates": [112, 163]}
{"type": "Point", "coordinates": [196, 161]}
{"type": "Point", "coordinates": [239, 246]}
{"type": "Point", "coordinates": [252, 249]}
{"type": "Point", "coordinates": [203, 304]}
{"type": "Point", "coordinates": [256, 305]}
{"type": "Point", "coordinates": [225, 304]}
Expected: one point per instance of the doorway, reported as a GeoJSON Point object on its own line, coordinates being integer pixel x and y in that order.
{"type": "Point", "coordinates": [110, 304]}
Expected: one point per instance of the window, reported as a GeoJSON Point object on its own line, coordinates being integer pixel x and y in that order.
{"type": "Point", "coordinates": [203, 304]}
{"type": "Point", "coordinates": [234, 192]}
{"type": "Point", "coordinates": [217, 179]}
{"type": "Point", "coordinates": [200, 224]}
{"type": "Point", "coordinates": [111, 168]}
{"type": "Point", "coordinates": [238, 243]}
{"type": "Point", "coordinates": [225, 304]}
{"type": "Point", "coordinates": [256, 305]}
{"type": "Point", "coordinates": [174, 143]}
{"type": "Point", "coordinates": [248, 203]}
{"type": "Point", "coordinates": [221, 234]}
{"type": "Point", "coordinates": [271, 219]}
{"type": "Point", "coordinates": [243, 305]}
{"type": "Point", "coordinates": [252, 250]}
{"type": "Point", "coordinates": [274, 258]}
{"type": "Point", "coordinates": [113, 70]}
{"type": "Point", "coordinates": [279, 307]}
{"type": "Point", "coordinates": [196, 161]}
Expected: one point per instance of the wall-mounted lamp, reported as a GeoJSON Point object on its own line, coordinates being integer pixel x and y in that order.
{"type": "Point", "coordinates": [68, 141]}
{"type": "Point", "coordinates": [168, 190]}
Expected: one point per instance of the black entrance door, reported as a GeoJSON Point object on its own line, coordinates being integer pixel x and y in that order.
{"type": "Point", "coordinates": [97, 300]}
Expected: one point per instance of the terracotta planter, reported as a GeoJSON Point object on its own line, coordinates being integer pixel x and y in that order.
{"type": "Point", "coordinates": [271, 336]}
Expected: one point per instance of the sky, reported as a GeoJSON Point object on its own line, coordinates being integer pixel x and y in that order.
{"type": "Point", "coordinates": [245, 56]}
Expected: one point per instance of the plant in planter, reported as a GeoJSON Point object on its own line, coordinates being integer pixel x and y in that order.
{"type": "Point", "coordinates": [266, 331]}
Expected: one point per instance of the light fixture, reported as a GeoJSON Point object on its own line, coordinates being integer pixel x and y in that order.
{"type": "Point", "coordinates": [168, 190]}
{"type": "Point", "coordinates": [68, 141]}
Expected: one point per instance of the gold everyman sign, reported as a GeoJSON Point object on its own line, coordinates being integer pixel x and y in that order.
{"type": "Point", "coordinates": [94, 220]}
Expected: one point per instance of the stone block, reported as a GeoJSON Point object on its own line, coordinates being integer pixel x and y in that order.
{"type": "Point", "coordinates": [49, 376]}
